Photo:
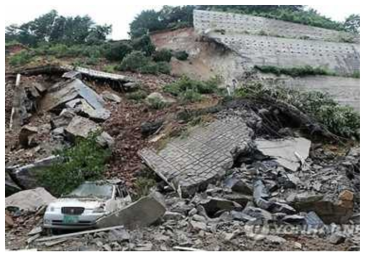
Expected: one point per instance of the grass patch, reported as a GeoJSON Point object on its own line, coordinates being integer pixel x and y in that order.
{"type": "Point", "coordinates": [137, 95]}
{"type": "Point", "coordinates": [84, 161]}
{"type": "Point", "coordinates": [295, 71]}
{"type": "Point", "coordinates": [189, 90]}
{"type": "Point", "coordinates": [21, 58]}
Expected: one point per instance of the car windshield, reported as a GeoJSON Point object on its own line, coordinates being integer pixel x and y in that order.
{"type": "Point", "coordinates": [91, 190]}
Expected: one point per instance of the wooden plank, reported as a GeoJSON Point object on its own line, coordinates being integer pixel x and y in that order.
{"type": "Point", "coordinates": [78, 233]}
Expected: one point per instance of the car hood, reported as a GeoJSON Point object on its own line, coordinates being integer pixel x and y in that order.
{"type": "Point", "coordinates": [75, 202]}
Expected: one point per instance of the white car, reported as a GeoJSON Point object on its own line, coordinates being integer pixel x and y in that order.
{"type": "Point", "coordinates": [82, 207]}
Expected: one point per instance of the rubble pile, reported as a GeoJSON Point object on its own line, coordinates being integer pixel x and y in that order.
{"type": "Point", "coordinates": [227, 184]}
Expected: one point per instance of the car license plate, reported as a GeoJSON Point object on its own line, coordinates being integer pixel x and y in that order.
{"type": "Point", "coordinates": [69, 219]}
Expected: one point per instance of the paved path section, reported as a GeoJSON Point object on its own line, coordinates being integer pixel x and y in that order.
{"type": "Point", "coordinates": [191, 162]}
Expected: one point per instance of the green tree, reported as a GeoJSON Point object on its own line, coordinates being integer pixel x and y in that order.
{"type": "Point", "coordinates": [352, 23]}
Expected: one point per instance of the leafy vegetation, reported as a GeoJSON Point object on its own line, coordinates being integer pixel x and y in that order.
{"type": "Point", "coordinates": [302, 71]}
{"type": "Point", "coordinates": [168, 17]}
{"type": "Point", "coordinates": [54, 28]}
{"type": "Point", "coordinates": [174, 17]}
{"type": "Point", "coordinates": [84, 161]}
{"type": "Point", "coordinates": [162, 55]}
{"type": "Point", "coordinates": [340, 120]}
{"type": "Point", "coordinates": [190, 90]}
{"type": "Point", "coordinates": [137, 95]}
{"type": "Point", "coordinates": [142, 186]}
{"type": "Point", "coordinates": [181, 55]}
{"type": "Point", "coordinates": [117, 51]}
{"type": "Point", "coordinates": [21, 58]}
{"type": "Point", "coordinates": [137, 61]}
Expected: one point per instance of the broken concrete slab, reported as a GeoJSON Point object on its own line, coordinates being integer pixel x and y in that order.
{"type": "Point", "coordinates": [286, 151]}
{"type": "Point", "coordinates": [25, 176]}
{"type": "Point", "coordinates": [81, 127]}
{"type": "Point", "coordinates": [192, 162]}
{"type": "Point", "coordinates": [65, 91]}
{"type": "Point", "coordinates": [29, 200]}
{"type": "Point", "coordinates": [141, 213]}
{"type": "Point", "coordinates": [109, 96]}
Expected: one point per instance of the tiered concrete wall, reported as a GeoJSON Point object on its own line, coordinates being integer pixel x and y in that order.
{"type": "Point", "coordinates": [343, 58]}
{"type": "Point", "coordinates": [240, 23]}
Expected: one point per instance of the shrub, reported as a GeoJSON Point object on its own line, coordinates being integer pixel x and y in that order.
{"type": "Point", "coordinates": [20, 58]}
{"type": "Point", "coordinates": [163, 55]}
{"type": "Point", "coordinates": [185, 83]}
{"type": "Point", "coordinates": [149, 68]}
{"type": "Point", "coordinates": [181, 55]}
{"type": "Point", "coordinates": [156, 102]}
{"type": "Point", "coordinates": [142, 186]}
{"type": "Point", "coordinates": [163, 67]}
{"type": "Point", "coordinates": [144, 45]}
{"type": "Point", "coordinates": [117, 51]}
{"type": "Point", "coordinates": [84, 161]}
{"type": "Point", "coordinates": [137, 95]}
{"type": "Point", "coordinates": [133, 61]}
{"type": "Point", "coordinates": [191, 96]}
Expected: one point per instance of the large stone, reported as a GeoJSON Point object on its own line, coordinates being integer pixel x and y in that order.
{"type": "Point", "coordinates": [286, 152]}
{"type": "Point", "coordinates": [109, 96]}
{"type": "Point", "coordinates": [139, 214]}
{"type": "Point", "coordinates": [190, 163]}
{"type": "Point", "coordinates": [81, 127]}
{"type": "Point", "coordinates": [237, 185]}
{"type": "Point", "coordinates": [29, 200]}
{"type": "Point", "coordinates": [98, 115]}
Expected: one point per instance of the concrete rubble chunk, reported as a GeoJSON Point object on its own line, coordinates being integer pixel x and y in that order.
{"type": "Point", "coordinates": [213, 205]}
{"type": "Point", "coordinates": [313, 220]}
{"type": "Point", "coordinates": [286, 152]}
{"type": "Point", "coordinates": [109, 96]}
{"type": "Point", "coordinates": [81, 127]}
{"type": "Point", "coordinates": [105, 140]}
{"type": "Point", "coordinates": [65, 91]}
{"type": "Point", "coordinates": [260, 195]}
{"type": "Point", "coordinates": [63, 119]}
{"type": "Point", "coordinates": [237, 185]}
{"type": "Point", "coordinates": [139, 214]}
{"type": "Point", "coordinates": [190, 163]}
{"type": "Point", "coordinates": [258, 213]}
{"type": "Point", "coordinates": [25, 135]}
{"type": "Point", "coordinates": [337, 238]}
{"type": "Point", "coordinates": [29, 200]}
